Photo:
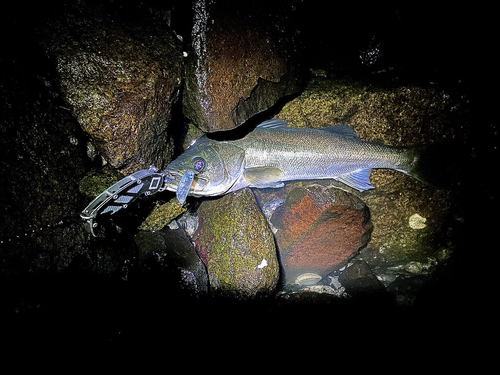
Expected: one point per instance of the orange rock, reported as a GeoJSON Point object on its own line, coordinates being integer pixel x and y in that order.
{"type": "Point", "coordinates": [317, 228]}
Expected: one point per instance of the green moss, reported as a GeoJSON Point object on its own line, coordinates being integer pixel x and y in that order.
{"type": "Point", "coordinates": [295, 196]}
{"type": "Point", "coordinates": [234, 239]}
{"type": "Point", "coordinates": [95, 182]}
{"type": "Point", "coordinates": [193, 133]}
{"type": "Point", "coordinates": [161, 215]}
{"type": "Point", "coordinates": [325, 102]}
{"type": "Point", "coordinates": [402, 115]}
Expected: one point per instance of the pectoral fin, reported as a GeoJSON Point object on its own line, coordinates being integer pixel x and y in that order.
{"type": "Point", "coordinates": [264, 177]}
{"type": "Point", "coordinates": [359, 179]}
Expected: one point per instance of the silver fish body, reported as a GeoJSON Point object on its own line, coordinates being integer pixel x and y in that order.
{"type": "Point", "coordinates": [324, 153]}
{"type": "Point", "coordinates": [274, 153]}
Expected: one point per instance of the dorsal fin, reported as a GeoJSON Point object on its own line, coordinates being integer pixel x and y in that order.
{"type": "Point", "coordinates": [274, 123]}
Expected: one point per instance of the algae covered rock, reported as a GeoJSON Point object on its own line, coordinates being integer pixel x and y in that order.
{"type": "Point", "coordinates": [397, 242]}
{"type": "Point", "coordinates": [400, 115]}
{"type": "Point", "coordinates": [234, 241]}
{"type": "Point", "coordinates": [121, 81]}
{"type": "Point", "coordinates": [96, 181]}
{"type": "Point", "coordinates": [162, 214]}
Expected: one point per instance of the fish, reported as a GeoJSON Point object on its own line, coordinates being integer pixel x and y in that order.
{"type": "Point", "coordinates": [274, 153]}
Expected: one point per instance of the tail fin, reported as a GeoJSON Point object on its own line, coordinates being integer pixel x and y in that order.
{"type": "Point", "coordinates": [439, 164]}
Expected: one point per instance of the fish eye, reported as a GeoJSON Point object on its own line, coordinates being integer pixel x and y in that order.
{"type": "Point", "coordinates": [199, 164]}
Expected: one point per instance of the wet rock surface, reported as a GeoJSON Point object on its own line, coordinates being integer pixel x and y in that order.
{"type": "Point", "coordinates": [162, 215]}
{"type": "Point", "coordinates": [121, 79]}
{"type": "Point", "coordinates": [397, 241]}
{"type": "Point", "coordinates": [317, 228]}
{"type": "Point", "coordinates": [235, 243]}
{"type": "Point", "coordinates": [97, 180]}
{"type": "Point", "coordinates": [384, 112]}
{"type": "Point", "coordinates": [243, 59]}
{"type": "Point", "coordinates": [358, 279]}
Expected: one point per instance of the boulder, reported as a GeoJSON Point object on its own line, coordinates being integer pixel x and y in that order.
{"type": "Point", "coordinates": [317, 228]}
{"type": "Point", "coordinates": [121, 81]}
{"type": "Point", "coordinates": [400, 245]}
{"type": "Point", "coordinates": [234, 241]}
{"type": "Point", "coordinates": [358, 279]}
{"type": "Point", "coordinates": [162, 214]}
{"type": "Point", "coordinates": [397, 115]}
{"type": "Point", "coordinates": [242, 61]}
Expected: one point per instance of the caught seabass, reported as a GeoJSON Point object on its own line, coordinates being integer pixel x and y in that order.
{"type": "Point", "coordinates": [274, 153]}
{"type": "Point", "coordinates": [265, 158]}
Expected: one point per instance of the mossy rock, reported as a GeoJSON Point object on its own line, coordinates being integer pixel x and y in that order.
{"type": "Point", "coordinates": [96, 181]}
{"type": "Point", "coordinates": [120, 80]}
{"type": "Point", "coordinates": [161, 215]}
{"type": "Point", "coordinates": [237, 246]}
{"type": "Point", "coordinates": [393, 115]}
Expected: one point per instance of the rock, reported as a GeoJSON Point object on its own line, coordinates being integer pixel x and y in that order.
{"type": "Point", "coordinates": [398, 238]}
{"type": "Point", "coordinates": [162, 214]}
{"type": "Point", "coordinates": [121, 81]}
{"type": "Point", "coordinates": [317, 227]}
{"type": "Point", "coordinates": [358, 279]}
{"type": "Point", "coordinates": [308, 297]}
{"type": "Point", "coordinates": [235, 243]}
{"type": "Point", "coordinates": [96, 181]}
{"type": "Point", "coordinates": [412, 221]}
{"type": "Point", "coordinates": [169, 256]}
{"type": "Point", "coordinates": [393, 115]}
{"type": "Point", "coordinates": [242, 61]}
